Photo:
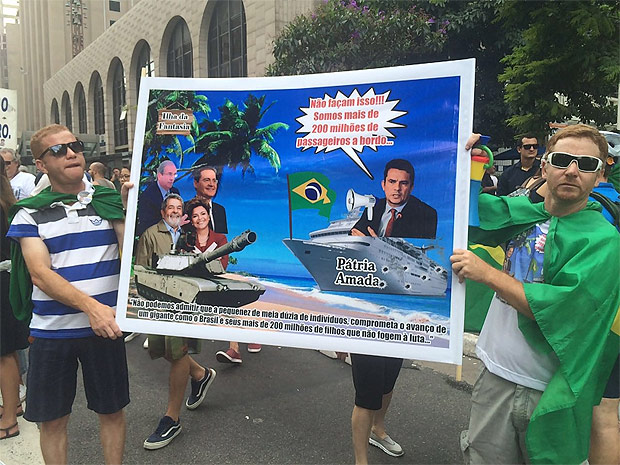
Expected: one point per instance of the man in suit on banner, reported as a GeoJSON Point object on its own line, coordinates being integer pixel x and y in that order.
{"type": "Point", "coordinates": [149, 202]}
{"type": "Point", "coordinates": [399, 214]}
{"type": "Point", "coordinates": [206, 184]}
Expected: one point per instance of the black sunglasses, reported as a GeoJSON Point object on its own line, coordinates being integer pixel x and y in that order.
{"type": "Point", "coordinates": [530, 146]}
{"type": "Point", "coordinates": [585, 163]}
{"type": "Point", "coordinates": [60, 150]}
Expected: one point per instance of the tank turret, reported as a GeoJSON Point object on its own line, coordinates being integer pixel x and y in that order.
{"type": "Point", "coordinates": [199, 277]}
{"type": "Point", "coordinates": [197, 264]}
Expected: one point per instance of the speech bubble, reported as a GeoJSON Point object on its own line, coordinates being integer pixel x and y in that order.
{"type": "Point", "coordinates": [349, 123]}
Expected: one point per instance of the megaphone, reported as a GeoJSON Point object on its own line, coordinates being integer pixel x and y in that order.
{"type": "Point", "coordinates": [355, 200]}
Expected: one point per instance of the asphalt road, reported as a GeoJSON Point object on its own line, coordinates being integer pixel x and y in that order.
{"type": "Point", "coordinates": [282, 406]}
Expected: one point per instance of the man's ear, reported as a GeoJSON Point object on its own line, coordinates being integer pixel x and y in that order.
{"type": "Point", "coordinates": [599, 177]}
{"type": "Point", "coordinates": [543, 168]}
{"type": "Point", "coordinates": [40, 164]}
{"type": "Point", "coordinates": [383, 185]}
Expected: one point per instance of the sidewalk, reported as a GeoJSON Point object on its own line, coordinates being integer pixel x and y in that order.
{"type": "Point", "coordinates": [23, 449]}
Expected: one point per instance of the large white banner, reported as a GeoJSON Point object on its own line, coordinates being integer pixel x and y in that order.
{"type": "Point", "coordinates": [302, 162]}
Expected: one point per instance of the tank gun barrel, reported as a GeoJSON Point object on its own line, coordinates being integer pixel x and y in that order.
{"type": "Point", "coordinates": [235, 245]}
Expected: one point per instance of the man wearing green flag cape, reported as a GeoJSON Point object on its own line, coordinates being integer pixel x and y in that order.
{"type": "Point", "coordinates": [65, 281]}
{"type": "Point", "coordinates": [547, 342]}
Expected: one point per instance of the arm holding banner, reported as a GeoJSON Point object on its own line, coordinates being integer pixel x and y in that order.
{"type": "Point", "coordinates": [38, 261]}
{"type": "Point", "coordinates": [467, 265]}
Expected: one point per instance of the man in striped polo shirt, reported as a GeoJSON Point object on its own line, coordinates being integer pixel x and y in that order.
{"type": "Point", "coordinates": [70, 236]}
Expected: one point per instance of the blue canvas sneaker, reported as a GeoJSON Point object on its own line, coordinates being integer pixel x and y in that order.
{"type": "Point", "coordinates": [199, 389]}
{"type": "Point", "coordinates": [166, 431]}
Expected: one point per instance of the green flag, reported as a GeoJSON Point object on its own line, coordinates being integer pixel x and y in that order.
{"type": "Point", "coordinates": [311, 190]}
{"type": "Point", "coordinates": [478, 296]}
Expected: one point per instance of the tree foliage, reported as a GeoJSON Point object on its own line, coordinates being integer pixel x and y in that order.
{"type": "Point", "coordinates": [356, 34]}
{"type": "Point", "coordinates": [160, 147]}
{"type": "Point", "coordinates": [473, 32]}
{"type": "Point", "coordinates": [527, 53]}
{"type": "Point", "coordinates": [231, 140]}
{"type": "Point", "coordinates": [567, 63]}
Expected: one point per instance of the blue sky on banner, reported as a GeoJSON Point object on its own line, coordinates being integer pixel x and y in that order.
{"type": "Point", "coordinates": [259, 201]}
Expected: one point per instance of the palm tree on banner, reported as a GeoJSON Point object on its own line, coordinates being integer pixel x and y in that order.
{"type": "Point", "coordinates": [160, 147]}
{"type": "Point", "coordinates": [233, 139]}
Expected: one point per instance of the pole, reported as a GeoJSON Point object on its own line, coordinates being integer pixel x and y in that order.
{"type": "Point", "coordinates": [290, 214]}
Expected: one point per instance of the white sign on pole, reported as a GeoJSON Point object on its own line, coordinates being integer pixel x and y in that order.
{"type": "Point", "coordinates": [8, 119]}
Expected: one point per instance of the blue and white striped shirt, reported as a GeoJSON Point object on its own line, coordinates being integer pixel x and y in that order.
{"type": "Point", "coordinates": [84, 250]}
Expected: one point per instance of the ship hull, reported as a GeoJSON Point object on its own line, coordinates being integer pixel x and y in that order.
{"type": "Point", "coordinates": [362, 264]}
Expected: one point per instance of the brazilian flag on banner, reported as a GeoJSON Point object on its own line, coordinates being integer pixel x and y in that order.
{"type": "Point", "coordinates": [311, 190]}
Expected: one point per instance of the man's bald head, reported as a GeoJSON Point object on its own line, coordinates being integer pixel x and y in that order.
{"type": "Point", "coordinates": [97, 170]}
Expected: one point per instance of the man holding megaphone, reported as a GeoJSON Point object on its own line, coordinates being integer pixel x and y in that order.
{"type": "Point", "coordinates": [399, 214]}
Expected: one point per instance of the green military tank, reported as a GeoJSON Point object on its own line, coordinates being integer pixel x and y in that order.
{"type": "Point", "coordinates": [199, 277]}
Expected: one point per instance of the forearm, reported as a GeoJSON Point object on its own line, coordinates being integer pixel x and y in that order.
{"type": "Point", "coordinates": [61, 290]}
{"type": "Point", "coordinates": [119, 229]}
{"type": "Point", "coordinates": [37, 258]}
{"type": "Point", "coordinates": [508, 289]}
{"type": "Point", "coordinates": [466, 265]}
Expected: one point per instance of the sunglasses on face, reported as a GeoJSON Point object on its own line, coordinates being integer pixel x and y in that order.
{"type": "Point", "coordinates": [530, 146]}
{"type": "Point", "coordinates": [585, 163]}
{"type": "Point", "coordinates": [60, 150]}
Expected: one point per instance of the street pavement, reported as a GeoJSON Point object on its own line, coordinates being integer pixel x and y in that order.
{"type": "Point", "coordinates": [281, 406]}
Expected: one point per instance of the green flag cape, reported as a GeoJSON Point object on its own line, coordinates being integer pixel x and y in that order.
{"type": "Point", "coordinates": [106, 202]}
{"type": "Point", "coordinates": [573, 309]}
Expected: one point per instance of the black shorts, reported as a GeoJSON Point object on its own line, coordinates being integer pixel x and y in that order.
{"type": "Point", "coordinates": [612, 391]}
{"type": "Point", "coordinates": [52, 376]}
{"type": "Point", "coordinates": [373, 377]}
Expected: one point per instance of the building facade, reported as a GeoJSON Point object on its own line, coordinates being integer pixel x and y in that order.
{"type": "Point", "coordinates": [86, 74]}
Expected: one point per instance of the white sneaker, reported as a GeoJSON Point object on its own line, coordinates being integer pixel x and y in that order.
{"type": "Point", "coordinates": [146, 343]}
{"type": "Point", "coordinates": [387, 445]}
{"type": "Point", "coordinates": [131, 337]}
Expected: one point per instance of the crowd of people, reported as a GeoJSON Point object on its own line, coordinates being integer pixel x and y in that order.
{"type": "Point", "coordinates": [549, 388]}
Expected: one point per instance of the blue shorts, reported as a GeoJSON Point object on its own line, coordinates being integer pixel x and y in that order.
{"type": "Point", "coordinates": [373, 377]}
{"type": "Point", "coordinates": [52, 376]}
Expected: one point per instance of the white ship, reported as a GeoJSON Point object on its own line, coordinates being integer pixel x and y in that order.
{"type": "Point", "coordinates": [388, 265]}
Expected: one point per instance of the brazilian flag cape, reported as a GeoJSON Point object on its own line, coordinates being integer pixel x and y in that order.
{"type": "Point", "coordinates": [576, 316]}
{"type": "Point", "coordinates": [106, 202]}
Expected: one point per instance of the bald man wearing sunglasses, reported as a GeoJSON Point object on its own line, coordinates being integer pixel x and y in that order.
{"type": "Point", "coordinates": [70, 236]}
{"type": "Point", "coordinates": [549, 341]}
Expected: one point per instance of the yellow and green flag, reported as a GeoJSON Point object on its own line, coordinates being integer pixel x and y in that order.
{"type": "Point", "coordinates": [309, 189]}
{"type": "Point", "coordinates": [478, 296]}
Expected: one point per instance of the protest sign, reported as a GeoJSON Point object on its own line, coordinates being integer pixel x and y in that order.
{"type": "Point", "coordinates": [301, 163]}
